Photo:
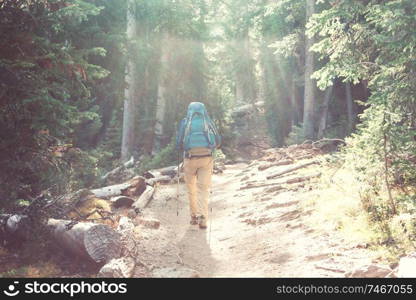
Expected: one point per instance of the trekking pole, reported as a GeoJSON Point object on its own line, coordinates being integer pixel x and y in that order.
{"type": "Point", "coordinates": [210, 217]}
{"type": "Point", "coordinates": [177, 186]}
{"type": "Point", "coordinates": [210, 227]}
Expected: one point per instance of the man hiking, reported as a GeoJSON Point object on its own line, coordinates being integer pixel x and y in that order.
{"type": "Point", "coordinates": [197, 137]}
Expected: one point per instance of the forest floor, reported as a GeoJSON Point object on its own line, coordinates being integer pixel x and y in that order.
{"type": "Point", "coordinates": [253, 232]}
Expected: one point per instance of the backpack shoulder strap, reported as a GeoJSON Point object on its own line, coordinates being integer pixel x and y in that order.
{"type": "Point", "coordinates": [188, 123]}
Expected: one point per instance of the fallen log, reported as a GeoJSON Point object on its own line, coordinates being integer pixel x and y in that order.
{"type": "Point", "coordinates": [150, 174]}
{"type": "Point", "coordinates": [112, 172]}
{"type": "Point", "coordinates": [137, 183]}
{"type": "Point", "coordinates": [170, 171]}
{"type": "Point", "coordinates": [68, 202]}
{"type": "Point", "coordinates": [121, 173]}
{"type": "Point", "coordinates": [270, 150]}
{"type": "Point", "coordinates": [257, 185]}
{"type": "Point", "coordinates": [96, 242]}
{"type": "Point", "coordinates": [137, 187]}
{"type": "Point", "coordinates": [122, 267]}
{"type": "Point", "coordinates": [306, 156]}
{"type": "Point", "coordinates": [164, 179]}
{"type": "Point", "coordinates": [279, 163]}
{"type": "Point", "coordinates": [91, 209]}
{"type": "Point", "coordinates": [289, 170]}
{"type": "Point", "coordinates": [144, 198]}
{"type": "Point", "coordinates": [111, 190]}
{"type": "Point", "coordinates": [302, 178]}
{"type": "Point", "coordinates": [322, 141]}
{"type": "Point", "coordinates": [129, 163]}
{"type": "Point", "coordinates": [126, 230]}
{"type": "Point", "coordinates": [274, 189]}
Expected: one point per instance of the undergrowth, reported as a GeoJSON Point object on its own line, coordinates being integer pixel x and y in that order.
{"type": "Point", "coordinates": [345, 204]}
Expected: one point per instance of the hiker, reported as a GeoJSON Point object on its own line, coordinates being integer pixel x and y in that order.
{"type": "Point", "coordinates": [197, 137]}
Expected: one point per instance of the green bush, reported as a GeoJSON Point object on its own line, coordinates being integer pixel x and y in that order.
{"type": "Point", "coordinates": [166, 157]}
{"type": "Point", "coordinates": [296, 136]}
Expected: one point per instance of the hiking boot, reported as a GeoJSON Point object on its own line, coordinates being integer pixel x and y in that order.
{"type": "Point", "coordinates": [202, 222]}
{"type": "Point", "coordinates": [194, 220]}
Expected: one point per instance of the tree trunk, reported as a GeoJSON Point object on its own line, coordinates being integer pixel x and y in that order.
{"type": "Point", "coordinates": [309, 97]}
{"type": "Point", "coordinates": [275, 87]}
{"type": "Point", "coordinates": [350, 112]}
{"type": "Point", "coordinates": [293, 99]}
{"type": "Point", "coordinates": [240, 95]}
{"type": "Point", "coordinates": [324, 111]}
{"type": "Point", "coordinates": [161, 95]}
{"type": "Point", "coordinates": [96, 242]}
{"type": "Point", "coordinates": [131, 99]}
{"type": "Point", "coordinates": [245, 79]}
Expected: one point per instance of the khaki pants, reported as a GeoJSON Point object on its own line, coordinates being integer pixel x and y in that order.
{"type": "Point", "coordinates": [198, 172]}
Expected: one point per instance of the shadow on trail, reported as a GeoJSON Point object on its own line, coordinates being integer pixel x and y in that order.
{"type": "Point", "coordinates": [196, 251]}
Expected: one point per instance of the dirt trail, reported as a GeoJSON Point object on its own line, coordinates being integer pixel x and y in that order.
{"type": "Point", "coordinates": [253, 233]}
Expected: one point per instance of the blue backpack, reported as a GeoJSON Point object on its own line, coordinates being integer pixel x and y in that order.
{"type": "Point", "coordinates": [197, 130]}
